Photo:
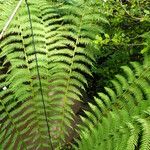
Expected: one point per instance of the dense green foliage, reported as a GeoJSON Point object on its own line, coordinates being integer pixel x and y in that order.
{"type": "Point", "coordinates": [126, 35]}
{"type": "Point", "coordinates": [120, 118]}
{"type": "Point", "coordinates": [68, 48]}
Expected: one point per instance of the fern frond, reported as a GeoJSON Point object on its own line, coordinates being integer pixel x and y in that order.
{"type": "Point", "coordinates": [22, 101]}
{"type": "Point", "coordinates": [118, 119]}
{"type": "Point", "coordinates": [69, 58]}
{"type": "Point", "coordinates": [62, 35]}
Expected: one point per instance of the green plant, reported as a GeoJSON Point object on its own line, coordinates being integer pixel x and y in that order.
{"type": "Point", "coordinates": [45, 59]}
{"type": "Point", "coordinates": [120, 117]}
{"type": "Point", "coordinates": [124, 36]}
{"type": "Point", "coordinates": [46, 55]}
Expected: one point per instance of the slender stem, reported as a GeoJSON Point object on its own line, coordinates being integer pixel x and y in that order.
{"type": "Point", "coordinates": [133, 17]}
{"type": "Point", "coordinates": [39, 76]}
{"type": "Point", "coordinates": [10, 19]}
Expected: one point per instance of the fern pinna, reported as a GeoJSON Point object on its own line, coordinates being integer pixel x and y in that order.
{"type": "Point", "coordinates": [45, 57]}
{"type": "Point", "coordinates": [120, 118]}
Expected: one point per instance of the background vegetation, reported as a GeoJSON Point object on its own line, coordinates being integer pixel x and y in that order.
{"type": "Point", "coordinates": [124, 39]}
